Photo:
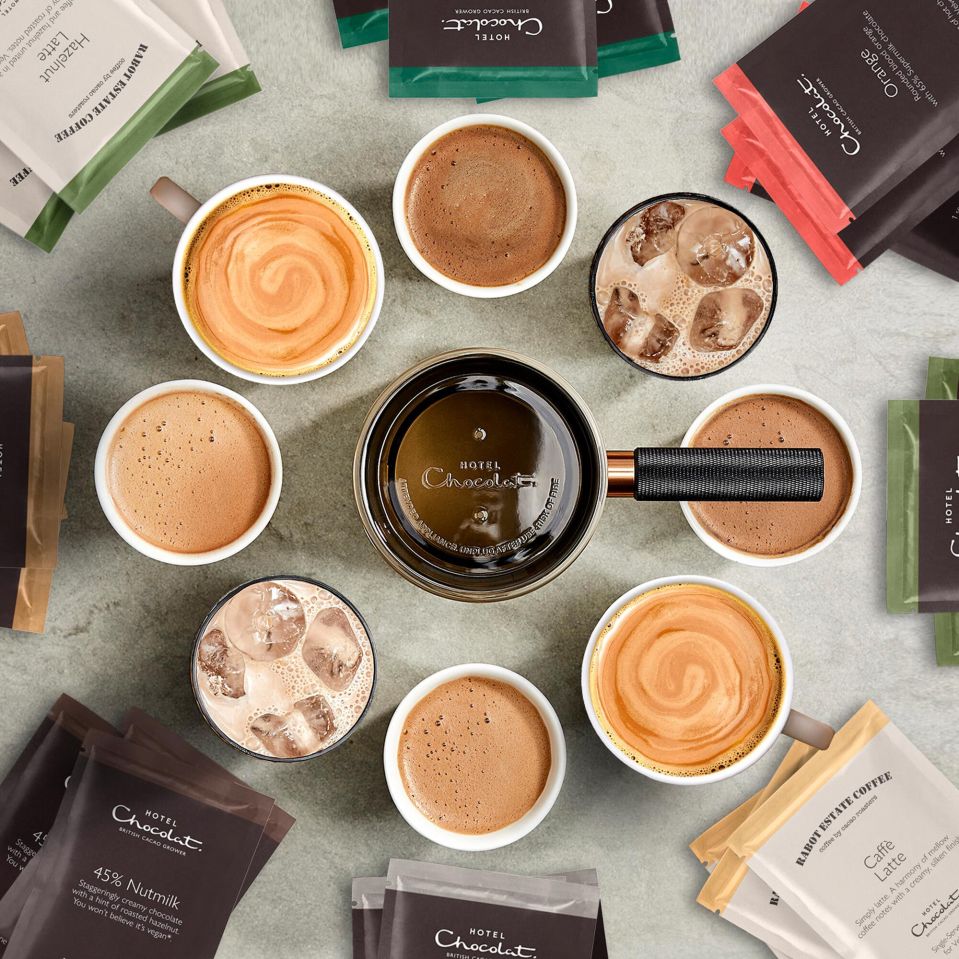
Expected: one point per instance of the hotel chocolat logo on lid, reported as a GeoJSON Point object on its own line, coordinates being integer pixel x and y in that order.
{"type": "Point", "coordinates": [156, 828]}
{"type": "Point", "coordinates": [492, 23]}
{"type": "Point", "coordinates": [486, 474]}
{"type": "Point", "coordinates": [482, 942]}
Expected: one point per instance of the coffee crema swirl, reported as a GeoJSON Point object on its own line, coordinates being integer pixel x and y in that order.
{"type": "Point", "coordinates": [686, 679]}
{"type": "Point", "coordinates": [280, 280]}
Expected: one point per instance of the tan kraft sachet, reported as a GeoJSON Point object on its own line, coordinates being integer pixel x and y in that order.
{"type": "Point", "coordinates": [863, 843]}
{"type": "Point", "coordinates": [742, 898]}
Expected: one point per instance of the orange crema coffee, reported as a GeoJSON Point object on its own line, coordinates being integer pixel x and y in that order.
{"type": "Point", "coordinates": [485, 206]}
{"type": "Point", "coordinates": [686, 679]}
{"type": "Point", "coordinates": [189, 471]}
{"type": "Point", "coordinates": [474, 755]}
{"type": "Point", "coordinates": [280, 280]}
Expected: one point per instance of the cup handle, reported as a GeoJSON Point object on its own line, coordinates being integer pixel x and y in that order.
{"type": "Point", "coordinates": [808, 730]}
{"type": "Point", "coordinates": [174, 199]}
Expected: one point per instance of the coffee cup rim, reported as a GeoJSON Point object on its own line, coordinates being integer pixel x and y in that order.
{"type": "Point", "coordinates": [399, 205]}
{"type": "Point", "coordinates": [514, 831]}
{"type": "Point", "coordinates": [186, 237]}
{"type": "Point", "coordinates": [132, 538]}
{"type": "Point", "coordinates": [775, 728]}
{"type": "Point", "coordinates": [842, 427]}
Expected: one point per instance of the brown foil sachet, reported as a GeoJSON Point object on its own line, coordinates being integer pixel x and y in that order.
{"type": "Point", "coordinates": [31, 793]}
{"type": "Point", "coordinates": [369, 893]}
{"type": "Point", "coordinates": [431, 910]}
{"type": "Point", "coordinates": [145, 766]}
{"type": "Point", "coordinates": [25, 590]}
{"type": "Point", "coordinates": [146, 860]}
{"type": "Point", "coordinates": [31, 396]}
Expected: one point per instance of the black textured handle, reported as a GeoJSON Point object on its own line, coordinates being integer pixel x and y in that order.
{"type": "Point", "coordinates": [727, 473]}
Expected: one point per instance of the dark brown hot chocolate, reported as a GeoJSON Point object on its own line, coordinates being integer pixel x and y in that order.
{"type": "Point", "coordinates": [485, 206]}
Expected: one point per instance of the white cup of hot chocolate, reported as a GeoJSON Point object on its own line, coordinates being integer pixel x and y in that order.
{"type": "Point", "coordinates": [777, 534]}
{"type": "Point", "coordinates": [494, 215]}
{"type": "Point", "coordinates": [518, 800]}
{"type": "Point", "coordinates": [135, 462]}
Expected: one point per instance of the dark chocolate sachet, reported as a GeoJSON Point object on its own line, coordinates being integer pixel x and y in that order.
{"type": "Point", "coordinates": [431, 910]}
{"type": "Point", "coordinates": [32, 791]}
{"type": "Point", "coordinates": [141, 728]}
{"type": "Point", "coordinates": [31, 434]}
{"type": "Point", "coordinates": [548, 48]}
{"type": "Point", "coordinates": [146, 859]}
{"type": "Point", "coordinates": [884, 226]}
{"type": "Point", "coordinates": [846, 101]}
{"type": "Point", "coordinates": [634, 35]}
{"type": "Point", "coordinates": [922, 498]}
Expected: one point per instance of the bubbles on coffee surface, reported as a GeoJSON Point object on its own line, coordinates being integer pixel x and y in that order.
{"type": "Point", "coordinates": [284, 668]}
{"type": "Point", "coordinates": [683, 287]}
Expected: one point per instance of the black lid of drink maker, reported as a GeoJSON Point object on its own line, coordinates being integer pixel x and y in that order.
{"type": "Point", "coordinates": [479, 475]}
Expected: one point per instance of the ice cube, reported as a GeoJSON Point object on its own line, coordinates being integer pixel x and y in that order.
{"type": "Point", "coordinates": [223, 663]}
{"type": "Point", "coordinates": [331, 649]}
{"type": "Point", "coordinates": [655, 233]}
{"type": "Point", "coordinates": [318, 714]}
{"type": "Point", "coordinates": [723, 318]}
{"type": "Point", "coordinates": [714, 246]}
{"type": "Point", "coordinates": [640, 335]}
{"type": "Point", "coordinates": [278, 737]}
{"type": "Point", "coordinates": [265, 621]}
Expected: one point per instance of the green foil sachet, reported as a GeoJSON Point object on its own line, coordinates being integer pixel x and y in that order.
{"type": "Point", "coordinates": [634, 35]}
{"type": "Point", "coordinates": [547, 49]}
{"type": "Point", "coordinates": [361, 21]}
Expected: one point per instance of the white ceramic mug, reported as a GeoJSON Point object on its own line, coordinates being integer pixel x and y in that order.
{"type": "Point", "coordinates": [787, 721]}
{"type": "Point", "coordinates": [403, 231]}
{"type": "Point", "coordinates": [192, 213]}
{"type": "Point", "coordinates": [512, 832]}
{"type": "Point", "coordinates": [131, 536]}
{"type": "Point", "coordinates": [750, 559]}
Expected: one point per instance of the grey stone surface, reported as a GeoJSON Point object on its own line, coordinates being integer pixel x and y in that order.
{"type": "Point", "coordinates": [121, 626]}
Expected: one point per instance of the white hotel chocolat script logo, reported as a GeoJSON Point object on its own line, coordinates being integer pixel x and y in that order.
{"type": "Point", "coordinates": [491, 23]}
{"type": "Point", "coordinates": [494, 946]}
{"type": "Point", "coordinates": [157, 825]}
{"type": "Point", "coordinates": [827, 118]}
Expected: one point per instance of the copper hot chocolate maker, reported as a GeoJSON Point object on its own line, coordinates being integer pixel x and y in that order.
{"type": "Point", "coordinates": [480, 475]}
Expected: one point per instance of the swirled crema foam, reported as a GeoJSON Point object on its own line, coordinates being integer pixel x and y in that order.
{"type": "Point", "coordinates": [284, 668]}
{"type": "Point", "coordinates": [683, 287]}
{"type": "Point", "coordinates": [280, 280]}
{"type": "Point", "coordinates": [686, 679]}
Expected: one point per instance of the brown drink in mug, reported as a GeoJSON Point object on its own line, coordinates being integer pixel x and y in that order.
{"type": "Point", "coordinates": [689, 680]}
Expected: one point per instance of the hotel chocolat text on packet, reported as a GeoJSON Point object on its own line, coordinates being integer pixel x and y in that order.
{"type": "Point", "coordinates": [431, 910]}
{"type": "Point", "coordinates": [863, 843]}
{"type": "Point", "coordinates": [847, 100]}
{"type": "Point", "coordinates": [546, 48]}
{"type": "Point", "coordinates": [146, 859]}
{"type": "Point", "coordinates": [633, 35]}
{"type": "Point", "coordinates": [141, 728]}
{"type": "Point", "coordinates": [922, 541]}
{"type": "Point", "coordinates": [83, 86]}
